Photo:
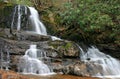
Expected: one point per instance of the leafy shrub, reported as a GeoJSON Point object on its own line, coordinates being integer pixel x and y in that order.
{"type": "Point", "coordinates": [92, 16]}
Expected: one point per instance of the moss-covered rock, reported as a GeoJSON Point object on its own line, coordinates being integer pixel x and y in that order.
{"type": "Point", "coordinates": [65, 48]}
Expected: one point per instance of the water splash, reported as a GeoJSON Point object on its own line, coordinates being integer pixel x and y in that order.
{"type": "Point", "coordinates": [110, 66]}
{"type": "Point", "coordinates": [55, 38]}
{"type": "Point", "coordinates": [30, 63]}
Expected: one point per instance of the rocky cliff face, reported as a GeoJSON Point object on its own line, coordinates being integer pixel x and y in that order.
{"type": "Point", "coordinates": [111, 49]}
{"type": "Point", "coordinates": [17, 44]}
{"type": "Point", "coordinates": [5, 11]}
{"type": "Point", "coordinates": [64, 54]}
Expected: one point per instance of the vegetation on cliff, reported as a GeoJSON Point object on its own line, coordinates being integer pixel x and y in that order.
{"type": "Point", "coordinates": [91, 21]}
{"type": "Point", "coordinates": [98, 21]}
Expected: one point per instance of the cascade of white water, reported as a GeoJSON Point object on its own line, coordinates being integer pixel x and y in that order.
{"type": "Point", "coordinates": [25, 10]}
{"type": "Point", "coordinates": [19, 18]}
{"type": "Point", "coordinates": [36, 23]}
{"type": "Point", "coordinates": [13, 18]}
{"type": "Point", "coordinates": [17, 15]}
{"type": "Point", "coordinates": [1, 59]}
{"type": "Point", "coordinates": [38, 26]}
{"type": "Point", "coordinates": [30, 63]}
{"type": "Point", "coordinates": [110, 66]}
{"type": "Point", "coordinates": [32, 51]}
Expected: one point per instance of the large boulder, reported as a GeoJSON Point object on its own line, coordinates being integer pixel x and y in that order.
{"type": "Point", "coordinates": [83, 69]}
{"type": "Point", "coordinates": [65, 48]}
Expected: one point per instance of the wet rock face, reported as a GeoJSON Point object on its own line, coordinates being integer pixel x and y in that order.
{"type": "Point", "coordinates": [22, 36]}
{"type": "Point", "coordinates": [111, 49]}
{"type": "Point", "coordinates": [63, 54]}
{"type": "Point", "coordinates": [82, 69]}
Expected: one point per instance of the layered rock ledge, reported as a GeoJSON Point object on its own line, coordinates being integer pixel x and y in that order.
{"type": "Point", "coordinates": [64, 54]}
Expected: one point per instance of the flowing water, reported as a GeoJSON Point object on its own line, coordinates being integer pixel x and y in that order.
{"type": "Point", "coordinates": [110, 66]}
{"type": "Point", "coordinates": [33, 20]}
{"type": "Point", "coordinates": [17, 17]}
{"type": "Point", "coordinates": [39, 28]}
{"type": "Point", "coordinates": [13, 18]}
{"type": "Point", "coordinates": [33, 60]}
{"type": "Point", "coordinates": [30, 63]}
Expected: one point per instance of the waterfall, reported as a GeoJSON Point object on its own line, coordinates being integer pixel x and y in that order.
{"type": "Point", "coordinates": [110, 66]}
{"type": "Point", "coordinates": [18, 13]}
{"type": "Point", "coordinates": [19, 18]}
{"type": "Point", "coordinates": [21, 12]}
{"type": "Point", "coordinates": [35, 22]}
{"type": "Point", "coordinates": [33, 60]}
{"type": "Point", "coordinates": [31, 17]}
{"type": "Point", "coordinates": [30, 63]}
{"type": "Point", "coordinates": [13, 18]}
{"type": "Point", "coordinates": [38, 26]}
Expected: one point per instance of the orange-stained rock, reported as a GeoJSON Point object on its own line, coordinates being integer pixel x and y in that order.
{"type": "Point", "coordinates": [60, 77]}
{"type": "Point", "coordinates": [11, 75]}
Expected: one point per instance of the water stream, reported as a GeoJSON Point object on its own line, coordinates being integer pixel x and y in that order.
{"type": "Point", "coordinates": [110, 66]}
{"type": "Point", "coordinates": [18, 12]}
{"type": "Point", "coordinates": [38, 26]}
{"type": "Point", "coordinates": [33, 60]}
{"type": "Point", "coordinates": [32, 20]}
{"type": "Point", "coordinates": [32, 63]}
{"type": "Point", "coordinates": [19, 18]}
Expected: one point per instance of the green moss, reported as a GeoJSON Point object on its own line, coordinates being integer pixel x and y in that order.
{"type": "Point", "coordinates": [56, 43]}
{"type": "Point", "coordinates": [64, 45]}
{"type": "Point", "coordinates": [67, 46]}
{"type": "Point", "coordinates": [54, 46]}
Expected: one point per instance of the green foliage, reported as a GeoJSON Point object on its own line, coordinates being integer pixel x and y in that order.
{"type": "Point", "coordinates": [92, 16]}
{"type": "Point", "coordinates": [22, 2]}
